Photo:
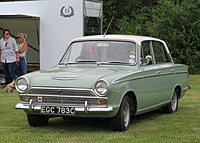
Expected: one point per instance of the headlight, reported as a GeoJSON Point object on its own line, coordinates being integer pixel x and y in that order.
{"type": "Point", "coordinates": [22, 84]}
{"type": "Point", "coordinates": [101, 88]}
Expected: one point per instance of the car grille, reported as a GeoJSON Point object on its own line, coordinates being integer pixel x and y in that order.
{"type": "Point", "coordinates": [64, 100]}
{"type": "Point", "coordinates": [63, 96]}
{"type": "Point", "coordinates": [70, 92]}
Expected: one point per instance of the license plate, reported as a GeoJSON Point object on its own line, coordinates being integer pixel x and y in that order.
{"type": "Point", "coordinates": [58, 110]}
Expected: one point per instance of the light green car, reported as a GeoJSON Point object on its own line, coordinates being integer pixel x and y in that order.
{"type": "Point", "coordinates": [112, 77]}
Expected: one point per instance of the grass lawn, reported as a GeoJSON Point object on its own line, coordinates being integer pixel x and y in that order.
{"type": "Point", "coordinates": [154, 127]}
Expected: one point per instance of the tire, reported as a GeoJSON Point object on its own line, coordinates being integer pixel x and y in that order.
{"type": "Point", "coordinates": [173, 105]}
{"type": "Point", "coordinates": [122, 120]}
{"type": "Point", "coordinates": [37, 120]}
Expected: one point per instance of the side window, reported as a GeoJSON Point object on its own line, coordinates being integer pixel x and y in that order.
{"type": "Point", "coordinates": [160, 53]}
{"type": "Point", "coordinates": [146, 53]}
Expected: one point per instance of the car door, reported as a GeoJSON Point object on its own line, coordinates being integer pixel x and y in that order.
{"type": "Point", "coordinates": [151, 78]}
{"type": "Point", "coordinates": [166, 70]}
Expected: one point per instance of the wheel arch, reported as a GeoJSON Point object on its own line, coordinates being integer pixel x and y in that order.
{"type": "Point", "coordinates": [178, 90]}
{"type": "Point", "coordinates": [133, 101]}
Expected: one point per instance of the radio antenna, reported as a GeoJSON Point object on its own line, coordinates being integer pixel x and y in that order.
{"type": "Point", "coordinates": [108, 27]}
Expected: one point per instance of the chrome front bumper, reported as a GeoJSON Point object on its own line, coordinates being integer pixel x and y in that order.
{"type": "Point", "coordinates": [33, 107]}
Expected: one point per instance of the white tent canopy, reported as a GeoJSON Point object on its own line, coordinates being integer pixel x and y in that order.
{"type": "Point", "coordinates": [49, 24]}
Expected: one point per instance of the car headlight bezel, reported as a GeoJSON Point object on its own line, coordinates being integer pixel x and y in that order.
{"type": "Point", "coordinates": [22, 84]}
{"type": "Point", "coordinates": [101, 88]}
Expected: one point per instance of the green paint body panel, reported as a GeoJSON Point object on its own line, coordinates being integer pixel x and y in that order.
{"type": "Point", "coordinates": [151, 90]}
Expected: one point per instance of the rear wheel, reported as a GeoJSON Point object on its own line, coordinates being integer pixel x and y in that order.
{"type": "Point", "coordinates": [37, 120]}
{"type": "Point", "coordinates": [173, 105]}
{"type": "Point", "coordinates": [122, 120]}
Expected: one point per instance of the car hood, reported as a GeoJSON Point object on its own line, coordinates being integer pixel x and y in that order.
{"type": "Point", "coordinates": [79, 76]}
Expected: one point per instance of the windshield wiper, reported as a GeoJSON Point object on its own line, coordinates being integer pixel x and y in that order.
{"type": "Point", "coordinates": [113, 62]}
{"type": "Point", "coordinates": [68, 63]}
{"type": "Point", "coordinates": [93, 61]}
{"type": "Point", "coordinates": [79, 61]}
{"type": "Point", "coordinates": [86, 61]}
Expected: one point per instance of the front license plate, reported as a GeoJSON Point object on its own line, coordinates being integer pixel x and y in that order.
{"type": "Point", "coordinates": [58, 110]}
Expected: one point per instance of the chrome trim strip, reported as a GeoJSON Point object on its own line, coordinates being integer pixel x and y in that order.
{"type": "Point", "coordinates": [86, 107]}
{"type": "Point", "coordinates": [43, 87]}
{"type": "Point", "coordinates": [142, 77]}
{"type": "Point", "coordinates": [60, 88]}
{"type": "Point", "coordinates": [31, 105]}
{"type": "Point", "coordinates": [65, 78]}
{"type": "Point", "coordinates": [186, 88]}
{"type": "Point", "coordinates": [64, 96]}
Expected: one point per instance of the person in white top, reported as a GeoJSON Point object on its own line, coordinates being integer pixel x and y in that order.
{"type": "Point", "coordinates": [22, 46]}
{"type": "Point", "coordinates": [9, 56]}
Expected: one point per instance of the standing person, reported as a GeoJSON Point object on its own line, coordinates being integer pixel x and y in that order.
{"type": "Point", "coordinates": [9, 56]}
{"type": "Point", "coordinates": [22, 46]}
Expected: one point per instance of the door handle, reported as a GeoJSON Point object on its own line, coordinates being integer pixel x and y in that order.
{"type": "Point", "coordinates": [172, 70]}
{"type": "Point", "coordinates": [158, 72]}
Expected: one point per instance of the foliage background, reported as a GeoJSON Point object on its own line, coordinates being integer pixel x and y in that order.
{"type": "Point", "coordinates": [175, 21]}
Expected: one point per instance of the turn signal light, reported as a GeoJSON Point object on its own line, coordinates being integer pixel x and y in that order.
{"type": "Point", "coordinates": [24, 98]}
{"type": "Point", "coordinates": [102, 101]}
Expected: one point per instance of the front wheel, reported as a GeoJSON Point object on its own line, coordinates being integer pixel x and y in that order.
{"type": "Point", "coordinates": [122, 120]}
{"type": "Point", "coordinates": [173, 105]}
{"type": "Point", "coordinates": [37, 120]}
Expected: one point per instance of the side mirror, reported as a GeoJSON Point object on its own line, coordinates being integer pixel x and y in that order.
{"type": "Point", "coordinates": [148, 59]}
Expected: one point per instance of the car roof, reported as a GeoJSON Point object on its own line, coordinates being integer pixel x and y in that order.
{"type": "Point", "coordinates": [135, 38]}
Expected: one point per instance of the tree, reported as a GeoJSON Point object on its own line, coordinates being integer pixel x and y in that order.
{"type": "Point", "coordinates": [176, 22]}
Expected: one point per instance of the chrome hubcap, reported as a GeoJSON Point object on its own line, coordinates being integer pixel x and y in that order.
{"type": "Point", "coordinates": [174, 102]}
{"type": "Point", "coordinates": [2, 79]}
{"type": "Point", "coordinates": [126, 114]}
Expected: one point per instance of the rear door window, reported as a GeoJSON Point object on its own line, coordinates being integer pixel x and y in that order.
{"type": "Point", "coordinates": [160, 53]}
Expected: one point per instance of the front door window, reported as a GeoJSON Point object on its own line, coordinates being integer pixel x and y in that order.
{"type": "Point", "coordinates": [160, 53]}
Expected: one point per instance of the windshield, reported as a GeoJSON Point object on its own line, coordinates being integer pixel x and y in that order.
{"type": "Point", "coordinates": [115, 52]}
